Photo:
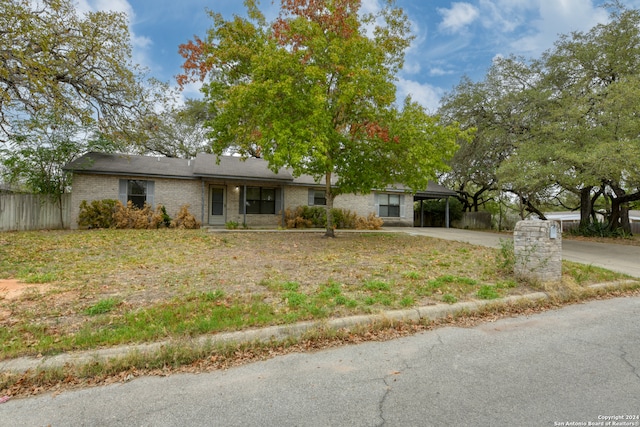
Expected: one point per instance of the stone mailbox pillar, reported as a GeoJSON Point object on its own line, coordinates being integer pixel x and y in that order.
{"type": "Point", "coordinates": [537, 247]}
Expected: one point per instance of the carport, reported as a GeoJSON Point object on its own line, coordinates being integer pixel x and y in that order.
{"type": "Point", "coordinates": [434, 192]}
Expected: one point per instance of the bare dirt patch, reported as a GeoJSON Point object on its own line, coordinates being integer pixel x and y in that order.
{"type": "Point", "coordinates": [11, 289]}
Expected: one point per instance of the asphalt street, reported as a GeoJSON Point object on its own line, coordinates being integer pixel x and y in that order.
{"type": "Point", "coordinates": [621, 258]}
{"type": "Point", "coordinates": [579, 364]}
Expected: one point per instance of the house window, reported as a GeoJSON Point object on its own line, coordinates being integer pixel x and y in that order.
{"type": "Point", "coordinates": [317, 198]}
{"type": "Point", "coordinates": [261, 200]}
{"type": "Point", "coordinates": [136, 191]}
{"type": "Point", "coordinates": [389, 205]}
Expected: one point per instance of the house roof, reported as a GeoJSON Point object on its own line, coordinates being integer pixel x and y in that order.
{"type": "Point", "coordinates": [125, 164]}
{"type": "Point", "coordinates": [209, 166]}
{"type": "Point", "coordinates": [228, 167]}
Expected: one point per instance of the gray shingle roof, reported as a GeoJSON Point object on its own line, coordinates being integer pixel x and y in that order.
{"type": "Point", "coordinates": [125, 164]}
{"type": "Point", "coordinates": [209, 165]}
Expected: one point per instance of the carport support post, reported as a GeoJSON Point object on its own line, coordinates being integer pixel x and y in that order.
{"type": "Point", "coordinates": [446, 214]}
{"type": "Point", "coordinates": [421, 213]}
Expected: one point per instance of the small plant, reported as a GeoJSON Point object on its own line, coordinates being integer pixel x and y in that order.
{"type": "Point", "coordinates": [449, 299]}
{"type": "Point", "coordinates": [507, 284]}
{"type": "Point", "coordinates": [213, 295]}
{"type": "Point", "coordinates": [377, 285]}
{"type": "Point", "coordinates": [487, 292]}
{"type": "Point", "coordinates": [40, 277]}
{"type": "Point", "coordinates": [407, 301]}
{"type": "Point", "coordinates": [507, 255]}
{"type": "Point", "coordinates": [413, 275]}
{"type": "Point", "coordinates": [231, 225]}
{"type": "Point", "coordinates": [164, 216]}
{"type": "Point", "coordinates": [291, 286]}
{"type": "Point", "coordinates": [102, 306]}
{"type": "Point", "coordinates": [295, 299]}
{"type": "Point", "coordinates": [185, 219]}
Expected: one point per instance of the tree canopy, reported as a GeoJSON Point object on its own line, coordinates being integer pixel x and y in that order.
{"type": "Point", "coordinates": [569, 118]}
{"type": "Point", "coordinates": [314, 91]}
{"type": "Point", "coordinates": [72, 67]}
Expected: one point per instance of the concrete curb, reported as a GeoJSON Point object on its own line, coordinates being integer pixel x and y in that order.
{"type": "Point", "coordinates": [279, 333]}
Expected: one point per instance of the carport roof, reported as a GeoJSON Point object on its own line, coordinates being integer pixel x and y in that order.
{"type": "Point", "coordinates": [434, 191]}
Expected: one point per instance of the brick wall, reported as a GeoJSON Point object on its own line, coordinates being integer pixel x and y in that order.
{"type": "Point", "coordinates": [171, 193]}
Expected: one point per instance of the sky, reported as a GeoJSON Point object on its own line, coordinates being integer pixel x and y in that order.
{"type": "Point", "coordinates": [453, 39]}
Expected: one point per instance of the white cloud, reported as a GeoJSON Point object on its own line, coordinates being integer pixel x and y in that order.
{"type": "Point", "coordinates": [437, 72]}
{"type": "Point", "coordinates": [191, 91]}
{"type": "Point", "coordinates": [559, 17]}
{"type": "Point", "coordinates": [425, 94]}
{"type": "Point", "coordinates": [538, 22]}
{"type": "Point", "coordinates": [458, 17]}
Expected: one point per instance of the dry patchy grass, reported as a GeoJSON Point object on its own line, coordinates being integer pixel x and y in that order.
{"type": "Point", "coordinates": [97, 288]}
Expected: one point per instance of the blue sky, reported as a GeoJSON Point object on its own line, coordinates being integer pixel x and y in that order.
{"type": "Point", "coordinates": [453, 38]}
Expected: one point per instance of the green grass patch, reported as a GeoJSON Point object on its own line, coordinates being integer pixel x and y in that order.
{"type": "Point", "coordinates": [102, 306]}
{"type": "Point", "coordinates": [488, 292]}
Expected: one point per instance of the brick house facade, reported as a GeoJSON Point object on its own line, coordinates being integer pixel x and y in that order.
{"type": "Point", "coordinates": [220, 190]}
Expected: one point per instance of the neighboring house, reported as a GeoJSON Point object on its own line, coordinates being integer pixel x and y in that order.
{"type": "Point", "coordinates": [571, 220]}
{"type": "Point", "coordinates": [219, 190]}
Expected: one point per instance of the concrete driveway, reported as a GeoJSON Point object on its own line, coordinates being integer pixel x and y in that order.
{"type": "Point", "coordinates": [621, 258]}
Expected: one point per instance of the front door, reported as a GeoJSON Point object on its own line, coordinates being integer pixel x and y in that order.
{"type": "Point", "coordinates": [216, 205]}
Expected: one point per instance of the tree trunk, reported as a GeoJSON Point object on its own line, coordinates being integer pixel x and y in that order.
{"type": "Point", "coordinates": [61, 211]}
{"type": "Point", "coordinates": [330, 232]}
{"type": "Point", "coordinates": [620, 209]}
{"type": "Point", "coordinates": [585, 207]}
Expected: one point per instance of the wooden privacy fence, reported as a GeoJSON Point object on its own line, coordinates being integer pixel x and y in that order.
{"type": "Point", "coordinates": [32, 212]}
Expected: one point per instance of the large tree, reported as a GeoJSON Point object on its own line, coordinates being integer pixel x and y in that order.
{"type": "Point", "coordinates": [586, 134]}
{"type": "Point", "coordinates": [74, 67]}
{"type": "Point", "coordinates": [177, 130]}
{"type": "Point", "coordinates": [493, 108]}
{"type": "Point", "coordinates": [314, 91]}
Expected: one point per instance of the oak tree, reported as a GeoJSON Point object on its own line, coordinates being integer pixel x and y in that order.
{"type": "Point", "coordinates": [72, 67]}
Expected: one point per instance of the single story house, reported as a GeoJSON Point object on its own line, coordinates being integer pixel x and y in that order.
{"type": "Point", "coordinates": [219, 190]}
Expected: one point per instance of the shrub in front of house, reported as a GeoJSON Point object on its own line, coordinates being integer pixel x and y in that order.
{"type": "Point", "coordinates": [130, 216]}
{"type": "Point", "coordinates": [185, 219]}
{"type": "Point", "coordinates": [316, 217]}
{"type": "Point", "coordinates": [97, 214]}
{"type": "Point", "coordinates": [371, 222]}
{"type": "Point", "coordinates": [113, 214]}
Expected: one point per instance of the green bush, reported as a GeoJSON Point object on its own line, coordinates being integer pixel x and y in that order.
{"type": "Point", "coordinates": [598, 229]}
{"type": "Point", "coordinates": [97, 214]}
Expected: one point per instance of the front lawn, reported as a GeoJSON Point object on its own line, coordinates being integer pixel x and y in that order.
{"type": "Point", "coordinates": [90, 289]}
